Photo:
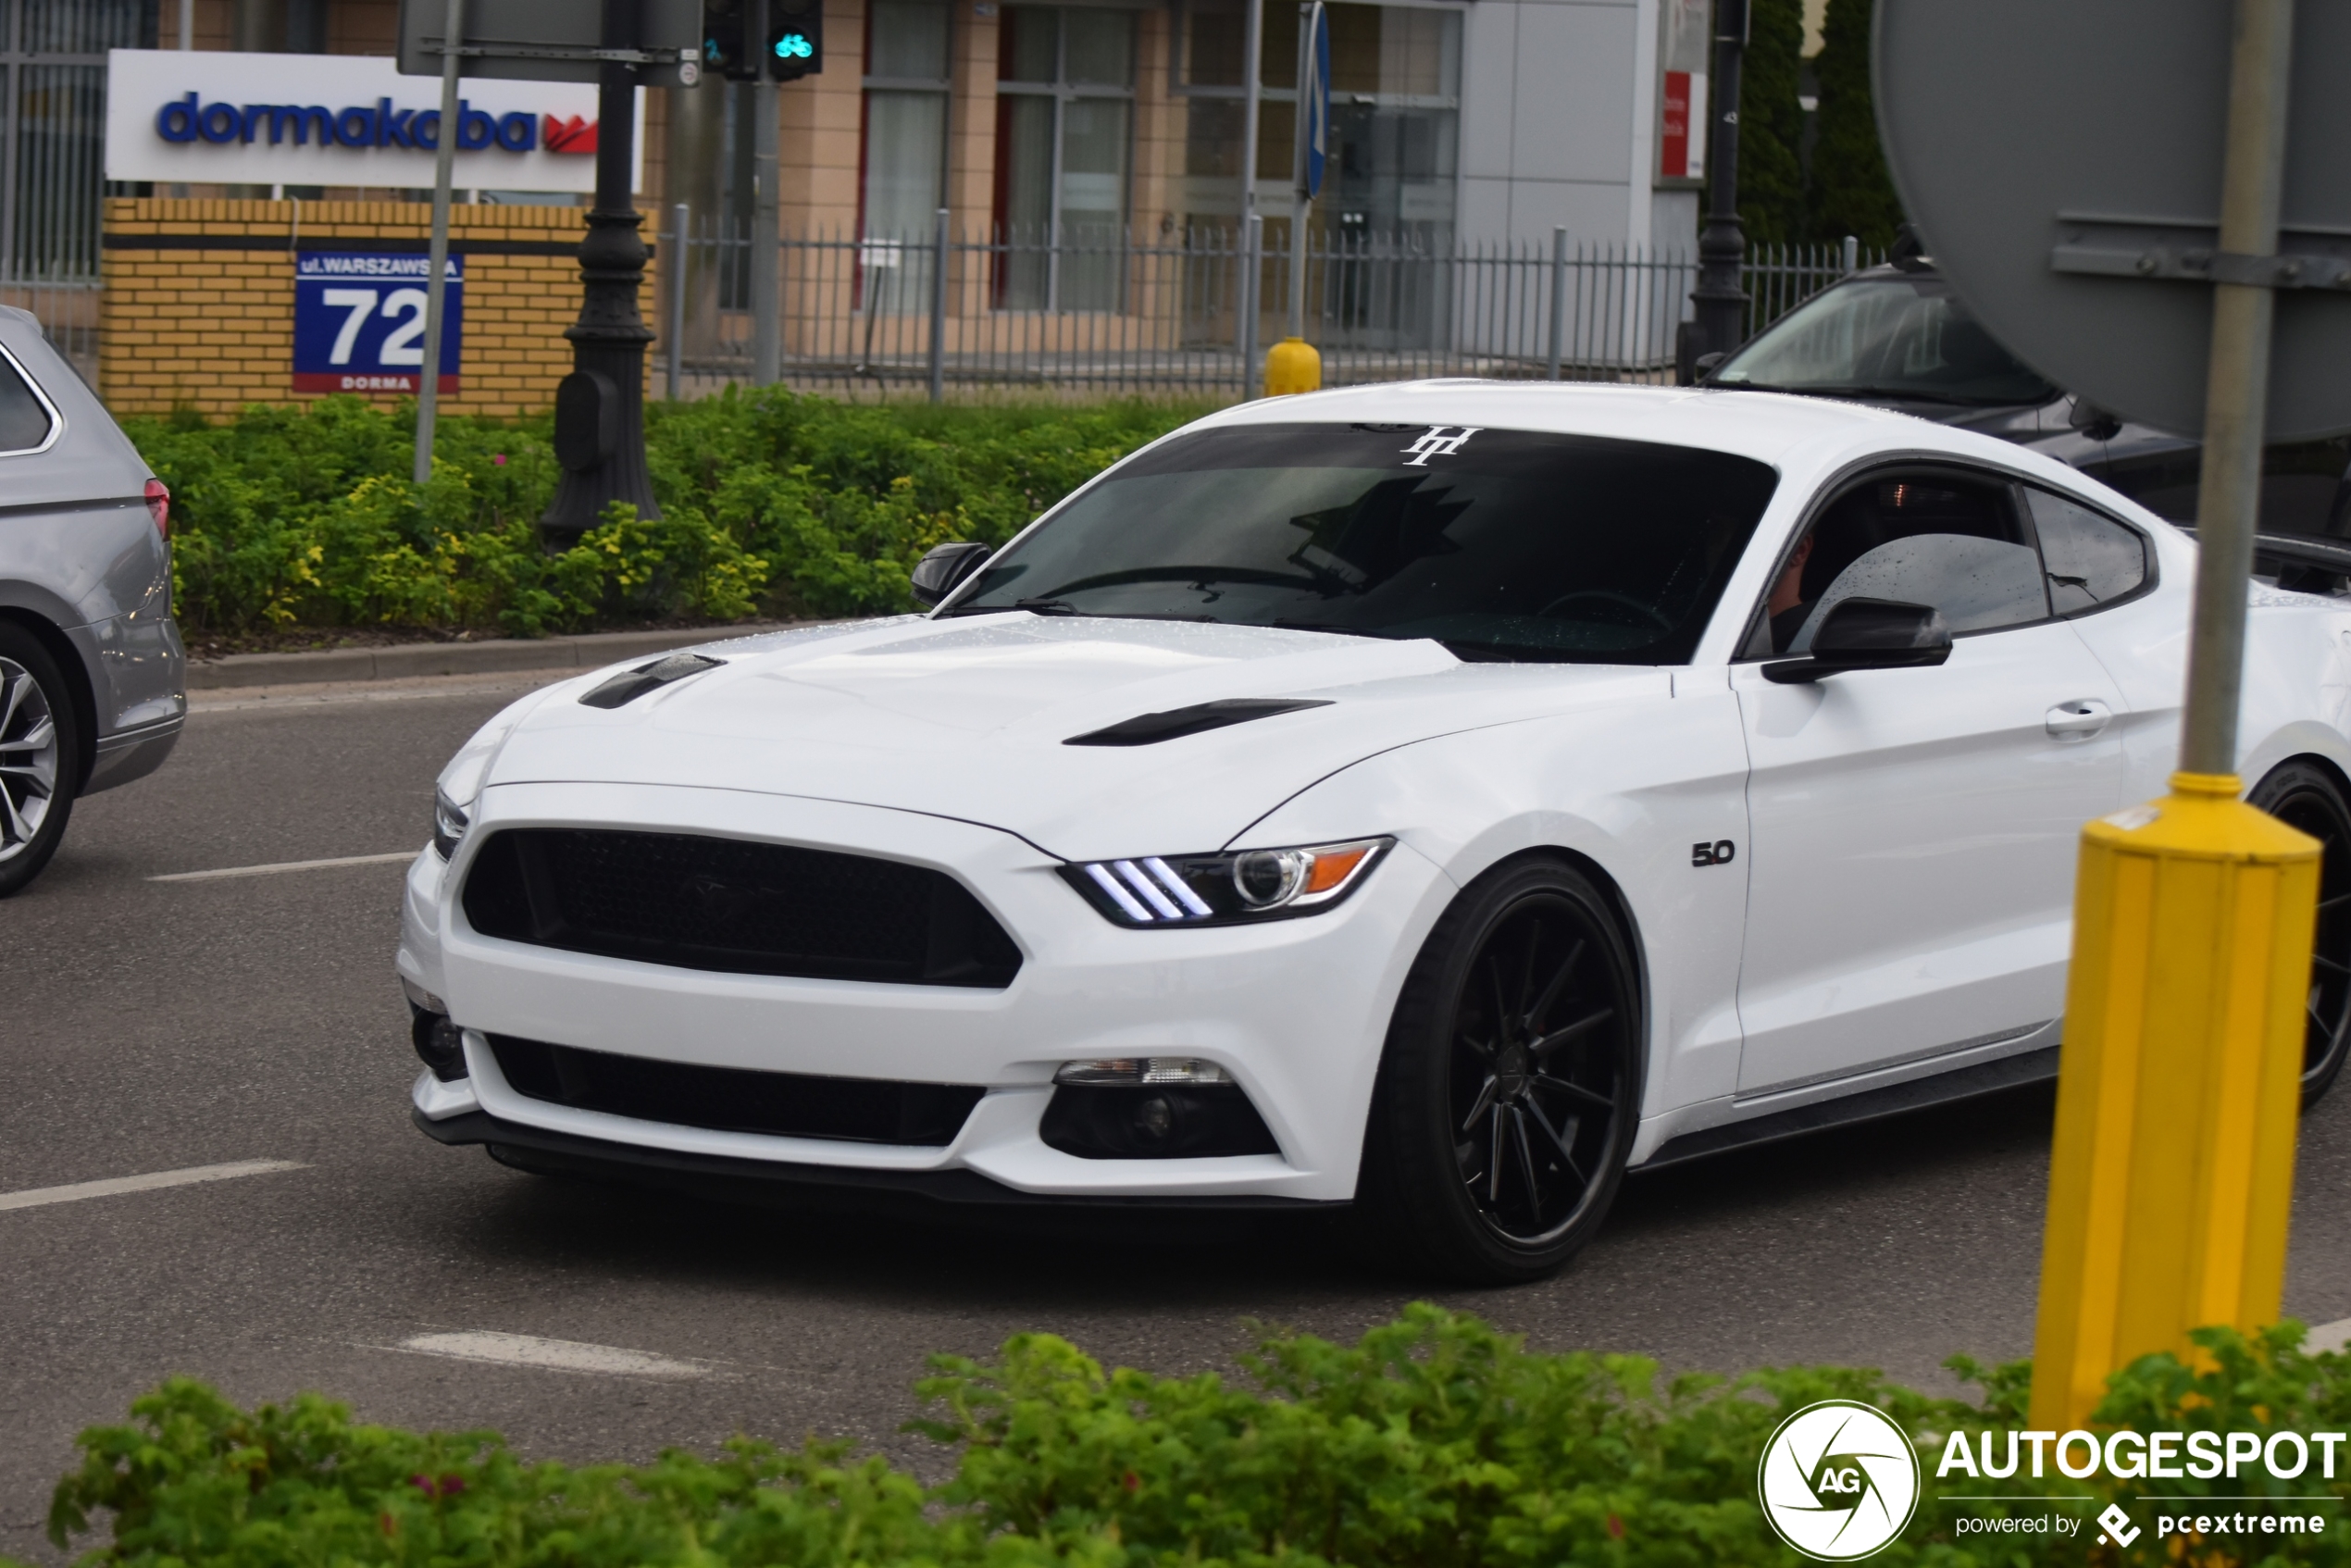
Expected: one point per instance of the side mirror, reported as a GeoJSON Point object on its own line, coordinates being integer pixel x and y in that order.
{"type": "Point", "coordinates": [1705, 364]}
{"type": "Point", "coordinates": [2093, 421]}
{"type": "Point", "coordinates": [1868, 634]}
{"type": "Point", "coordinates": [938, 573]}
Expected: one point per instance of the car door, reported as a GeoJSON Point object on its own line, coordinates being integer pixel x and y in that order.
{"type": "Point", "coordinates": [1913, 831]}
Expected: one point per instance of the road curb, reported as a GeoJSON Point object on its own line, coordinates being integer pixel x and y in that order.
{"type": "Point", "coordinates": [411, 660]}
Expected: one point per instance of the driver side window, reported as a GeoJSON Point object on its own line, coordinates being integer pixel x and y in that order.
{"type": "Point", "coordinates": [1926, 538]}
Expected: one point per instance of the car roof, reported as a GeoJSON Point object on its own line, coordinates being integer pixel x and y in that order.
{"type": "Point", "coordinates": [1769, 427]}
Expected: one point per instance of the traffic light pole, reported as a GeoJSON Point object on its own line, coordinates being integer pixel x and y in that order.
{"type": "Point", "coordinates": [1720, 298]}
{"type": "Point", "coordinates": [766, 336]}
{"type": "Point", "coordinates": [600, 407]}
{"type": "Point", "coordinates": [444, 162]}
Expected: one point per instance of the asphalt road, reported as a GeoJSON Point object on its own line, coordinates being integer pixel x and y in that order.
{"type": "Point", "coordinates": [150, 1027]}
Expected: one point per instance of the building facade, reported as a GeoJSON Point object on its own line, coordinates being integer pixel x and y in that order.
{"type": "Point", "coordinates": [1453, 121]}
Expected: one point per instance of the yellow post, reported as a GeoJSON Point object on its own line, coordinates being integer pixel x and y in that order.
{"type": "Point", "coordinates": [1292, 365]}
{"type": "Point", "coordinates": [2172, 1173]}
{"type": "Point", "coordinates": [2177, 1104]}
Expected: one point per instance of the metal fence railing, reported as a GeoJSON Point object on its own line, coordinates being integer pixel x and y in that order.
{"type": "Point", "coordinates": [68, 312]}
{"type": "Point", "coordinates": [1105, 311]}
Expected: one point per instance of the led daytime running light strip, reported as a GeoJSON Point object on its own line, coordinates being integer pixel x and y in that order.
{"type": "Point", "coordinates": [1155, 887]}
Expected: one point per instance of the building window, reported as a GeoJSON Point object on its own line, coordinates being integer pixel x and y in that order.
{"type": "Point", "coordinates": [1064, 124]}
{"type": "Point", "coordinates": [1395, 75]}
{"type": "Point", "coordinates": [902, 153]}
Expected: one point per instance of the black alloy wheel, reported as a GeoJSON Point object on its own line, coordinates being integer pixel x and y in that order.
{"type": "Point", "coordinates": [2307, 796]}
{"type": "Point", "coordinates": [1510, 1090]}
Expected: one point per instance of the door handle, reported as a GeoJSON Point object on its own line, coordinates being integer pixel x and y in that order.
{"type": "Point", "coordinates": [2078, 720]}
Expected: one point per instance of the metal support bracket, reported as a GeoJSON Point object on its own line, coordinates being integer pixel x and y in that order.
{"type": "Point", "coordinates": [2167, 263]}
{"type": "Point", "coordinates": [565, 52]}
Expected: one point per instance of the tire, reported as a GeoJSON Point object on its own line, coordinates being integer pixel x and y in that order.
{"type": "Point", "coordinates": [40, 757]}
{"type": "Point", "coordinates": [2309, 796]}
{"type": "Point", "coordinates": [1509, 1087]}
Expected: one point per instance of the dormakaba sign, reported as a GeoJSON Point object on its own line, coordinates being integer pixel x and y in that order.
{"type": "Point", "coordinates": [206, 117]}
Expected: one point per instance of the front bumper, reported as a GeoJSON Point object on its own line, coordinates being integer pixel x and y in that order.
{"type": "Point", "coordinates": [1296, 1011]}
{"type": "Point", "coordinates": [537, 1149]}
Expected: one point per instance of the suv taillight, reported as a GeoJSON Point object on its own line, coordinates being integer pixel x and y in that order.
{"type": "Point", "coordinates": [159, 506]}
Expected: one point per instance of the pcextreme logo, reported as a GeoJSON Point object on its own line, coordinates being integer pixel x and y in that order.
{"type": "Point", "coordinates": [1838, 1481]}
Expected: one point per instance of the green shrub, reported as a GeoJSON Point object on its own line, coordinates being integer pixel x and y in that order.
{"type": "Point", "coordinates": [771, 502]}
{"type": "Point", "coordinates": [1434, 1442]}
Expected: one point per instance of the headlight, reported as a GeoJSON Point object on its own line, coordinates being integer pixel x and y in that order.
{"type": "Point", "coordinates": [1225, 890]}
{"type": "Point", "coordinates": [449, 824]}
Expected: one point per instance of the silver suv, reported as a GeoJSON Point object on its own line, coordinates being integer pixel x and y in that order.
{"type": "Point", "coordinates": [93, 678]}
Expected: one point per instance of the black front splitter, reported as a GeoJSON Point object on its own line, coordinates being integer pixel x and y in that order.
{"type": "Point", "coordinates": [764, 1181]}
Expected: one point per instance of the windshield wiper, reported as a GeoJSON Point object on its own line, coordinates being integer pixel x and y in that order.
{"type": "Point", "coordinates": [1048, 607]}
{"type": "Point", "coordinates": [1321, 625]}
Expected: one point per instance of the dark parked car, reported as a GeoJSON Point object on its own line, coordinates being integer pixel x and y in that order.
{"type": "Point", "coordinates": [1897, 337]}
{"type": "Point", "coordinates": [93, 678]}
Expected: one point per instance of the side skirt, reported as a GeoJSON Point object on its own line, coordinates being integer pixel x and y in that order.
{"type": "Point", "coordinates": [1939, 1089]}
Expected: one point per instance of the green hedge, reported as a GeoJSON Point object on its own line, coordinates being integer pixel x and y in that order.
{"type": "Point", "coordinates": [1434, 1442]}
{"type": "Point", "coordinates": [771, 502]}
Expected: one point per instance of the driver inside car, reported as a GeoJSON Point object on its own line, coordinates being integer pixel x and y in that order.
{"type": "Point", "coordinates": [1787, 608]}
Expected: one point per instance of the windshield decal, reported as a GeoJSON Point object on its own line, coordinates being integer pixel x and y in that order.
{"type": "Point", "coordinates": [1436, 444]}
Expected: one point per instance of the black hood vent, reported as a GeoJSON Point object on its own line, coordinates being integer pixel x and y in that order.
{"type": "Point", "coordinates": [1150, 730]}
{"type": "Point", "coordinates": [630, 685]}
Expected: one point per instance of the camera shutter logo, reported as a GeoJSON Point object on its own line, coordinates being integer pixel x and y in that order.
{"type": "Point", "coordinates": [1839, 1480]}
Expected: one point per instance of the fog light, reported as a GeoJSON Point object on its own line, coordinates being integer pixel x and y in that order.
{"type": "Point", "coordinates": [1142, 1070]}
{"type": "Point", "coordinates": [1154, 1118]}
{"type": "Point", "coordinates": [441, 1044]}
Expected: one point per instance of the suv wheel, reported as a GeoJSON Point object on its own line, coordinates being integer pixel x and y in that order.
{"type": "Point", "coordinates": [39, 748]}
{"type": "Point", "coordinates": [1508, 1091]}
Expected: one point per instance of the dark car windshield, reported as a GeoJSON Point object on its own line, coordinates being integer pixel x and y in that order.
{"type": "Point", "coordinates": [1499, 544]}
{"type": "Point", "coordinates": [1884, 337]}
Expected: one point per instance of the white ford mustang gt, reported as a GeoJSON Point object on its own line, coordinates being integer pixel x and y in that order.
{"type": "Point", "coordinates": [1444, 796]}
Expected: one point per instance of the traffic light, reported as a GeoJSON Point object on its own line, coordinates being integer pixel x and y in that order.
{"type": "Point", "coordinates": [795, 39]}
{"type": "Point", "coordinates": [722, 50]}
{"type": "Point", "coordinates": [793, 47]}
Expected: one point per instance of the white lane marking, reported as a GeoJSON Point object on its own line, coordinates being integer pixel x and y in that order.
{"type": "Point", "coordinates": [551, 1355]}
{"type": "Point", "coordinates": [285, 865]}
{"type": "Point", "coordinates": [2329, 1336]}
{"type": "Point", "coordinates": [34, 1196]}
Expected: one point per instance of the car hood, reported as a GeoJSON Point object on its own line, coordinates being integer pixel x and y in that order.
{"type": "Point", "coordinates": [967, 718]}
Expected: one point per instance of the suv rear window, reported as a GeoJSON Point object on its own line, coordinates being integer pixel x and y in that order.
{"type": "Point", "coordinates": [24, 418]}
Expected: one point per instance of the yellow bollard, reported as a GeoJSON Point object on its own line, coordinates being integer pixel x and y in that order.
{"type": "Point", "coordinates": [2173, 1164]}
{"type": "Point", "coordinates": [1292, 365]}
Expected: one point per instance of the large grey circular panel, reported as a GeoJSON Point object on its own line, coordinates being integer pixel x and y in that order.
{"type": "Point", "coordinates": [2088, 133]}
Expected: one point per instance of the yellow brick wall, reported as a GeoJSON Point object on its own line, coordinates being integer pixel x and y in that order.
{"type": "Point", "coordinates": [213, 329]}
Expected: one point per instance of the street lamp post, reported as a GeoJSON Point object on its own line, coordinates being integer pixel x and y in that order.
{"type": "Point", "coordinates": [600, 408]}
{"type": "Point", "coordinates": [1720, 299]}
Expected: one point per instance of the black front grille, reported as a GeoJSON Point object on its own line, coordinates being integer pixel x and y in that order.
{"type": "Point", "coordinates": [732, 905]}
{"type": "Point", "coordinates": [734, 1099]}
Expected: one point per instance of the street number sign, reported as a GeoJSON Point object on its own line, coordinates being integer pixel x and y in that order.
{"type": "Point", "coordinates": [2061, 159]}
{"type": "Point", "coordinates": [359, 322]}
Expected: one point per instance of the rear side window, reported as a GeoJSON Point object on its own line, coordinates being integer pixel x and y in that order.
{"type": "Point", "coordinates": [2092, 559]}
{"type": "Point", "coordinates": [24, 418]}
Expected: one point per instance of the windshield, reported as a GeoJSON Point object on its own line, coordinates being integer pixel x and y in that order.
{"type": "Point", "coordinates": [1884, 337]}
{"type": "Point", "coordinates": [1501, 545]}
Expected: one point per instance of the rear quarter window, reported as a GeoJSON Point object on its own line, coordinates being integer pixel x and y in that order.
{"type": "Point", "coordinates": [25, 419]}
{"type": "Point", "coordinates": [2092, 560]}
